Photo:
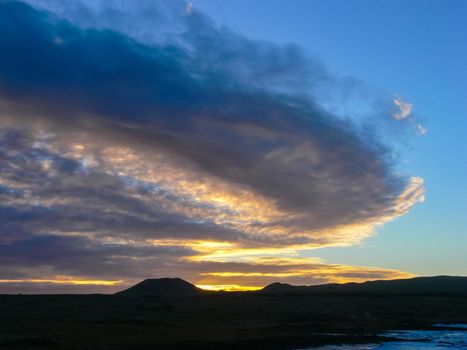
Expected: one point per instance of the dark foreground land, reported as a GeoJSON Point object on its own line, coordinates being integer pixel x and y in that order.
{"type": "Point", "coordinates": [275, 318]}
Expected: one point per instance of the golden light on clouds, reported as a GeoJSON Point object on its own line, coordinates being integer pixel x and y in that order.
{"type": "Point", "coordinates": [301, 275]}
{"type": "Point", "coordinates": [228, 287]}
{"type": "Point", "coordinates": [65, 280]}
{"type": "Point", "coordinates": [258, 267]}
{"type": "Point", "coordinates": [210, 199]}
{"type": "Point", "coordinates": [242, 254]}
{"type": "Point", "coordinates": [200, 196]}
{"type": "Point", "coordinates": [272, 242]}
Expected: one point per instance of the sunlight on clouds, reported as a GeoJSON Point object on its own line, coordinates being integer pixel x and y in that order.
{"type": "Point", "coordinates": [413, 193]}
{"type": "Point", "coordinates": [404, 109]}
{"type": "Point", "coordinates": [203, 197]}
{"type": "Point", "coordinates": [404, 112]}
{"type": "Point", "coordinates": [243, 255]}
{"type": "Point", "coordinates": [183, 191]}
{"type": "Point", "coordinates": [64, 280]}
{"type": "Point", "coordinates": [228, 287]}
{"type": "Point", "coordinates": [216, 251]}
{"type": "Point", "coordinates": [259, 267]}
{"type": "Point", "coordinates": [300, 273]}
{"type": "Point", "coordinates": [332, 273]}
{"type": "Point", "coordinates": [269, 240]}
{"type": "Point", "coordinates": [256, 274]}
{"type": "Point", "coordinates": [200, 246]}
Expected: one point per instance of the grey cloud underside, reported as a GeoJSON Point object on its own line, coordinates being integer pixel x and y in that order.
{"type": "Point", "coordinates": [67, 198]}
{"type": "Point", "coordinates": [216, 103]}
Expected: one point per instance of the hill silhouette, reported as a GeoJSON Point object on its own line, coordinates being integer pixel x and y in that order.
{"type": "Point", "coordinates": [164, 287]}
{"type": "Point", "coordinates": [438, 285]}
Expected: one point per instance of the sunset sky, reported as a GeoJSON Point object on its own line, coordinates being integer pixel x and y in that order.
{"type": "Point", "coordinates": [231, 143]}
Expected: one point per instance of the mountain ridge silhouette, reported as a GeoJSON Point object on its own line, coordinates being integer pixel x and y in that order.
{"type": "Point", "coordinates": [433, 285]}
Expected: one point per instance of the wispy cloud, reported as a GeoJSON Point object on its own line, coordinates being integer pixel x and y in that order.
{"type": "Point", "coordinates": [421, 130]}
{"type": "Point", "coordinates": [403, 112]}
{"type": "Point", "coordinates": [189, 8]}
{"type": "Point", "coordinates": [404, 109]}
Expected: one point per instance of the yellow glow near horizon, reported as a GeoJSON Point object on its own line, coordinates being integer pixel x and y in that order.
{"type": "Point", "coordinates": [324, 273]}
{"type": "Point", "coordinates": [228, 287]}
{"type": "Point", "coordinates": [255, 274]}
{"type": "Point", "coordinates": [64, 280]}
{"type": "Point", "coordinates": [267, 265]}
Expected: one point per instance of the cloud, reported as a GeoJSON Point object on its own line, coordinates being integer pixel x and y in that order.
{"type": "Point", "coordinates": [114, 137]}
{"type": "Point", "coordinates": [300, 275]}
{"type": "Point", "coordinates": [421, 130]}
{"type": "Point", "coordinates": [404, 113]}
{"type": "Point", "coordinates": [189, 8]}
{"type": "Point", "coordinates": [404, 109]}
{"type": "Point", "coordinates": [57, 264]}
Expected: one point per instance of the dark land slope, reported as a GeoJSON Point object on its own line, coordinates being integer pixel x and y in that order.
{"type": "Point", "coordinates": [186, 318]}
{"type": "Point", "coordinates": [164, 287]}
{"type": "Point", "coordinates": [439, 285]}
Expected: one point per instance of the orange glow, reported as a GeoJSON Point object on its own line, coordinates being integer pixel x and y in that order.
{"type": "Point", "coordinates": [228, 287]}
{"type": "Point", "coordinates": [328, 273]}
{"type": "Point", "coordinates": [267, 265]}
{"type": "Point", "coordinates": [64, 280]}
{"type": "Point", "coordinates": [219, 251]}
{"type": "Point", "coordinates": [298, 271]}
{"type": "Point", "coordinates": [198, 245]}
{"type": "Point", "coordinates": [242, 254]}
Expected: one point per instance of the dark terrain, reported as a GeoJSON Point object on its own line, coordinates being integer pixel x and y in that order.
{"type": "Point", "coordinates": [173, 314]}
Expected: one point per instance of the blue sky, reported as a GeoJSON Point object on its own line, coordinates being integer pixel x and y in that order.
{"type": "Point", "coordinates": [230, 143]}
{"type": "Point", "coordinates": [412, 48]}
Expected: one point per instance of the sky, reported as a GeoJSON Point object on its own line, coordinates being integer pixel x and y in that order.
{"type": "Point", "coordinates": [230, 143]}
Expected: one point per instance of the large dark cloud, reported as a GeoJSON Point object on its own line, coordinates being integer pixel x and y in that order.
{"type": "Point", "coordinates": [109, 133]}
{"type": "Point", "coordinates": [233, 130]}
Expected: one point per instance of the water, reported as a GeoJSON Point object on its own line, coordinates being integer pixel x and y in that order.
{"type": "Point", "coordinates": [449, 339]}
